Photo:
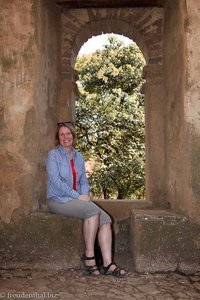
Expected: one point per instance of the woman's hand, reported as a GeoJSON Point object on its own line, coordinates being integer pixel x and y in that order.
{"type": "Point", "coordinates": [84, 197]}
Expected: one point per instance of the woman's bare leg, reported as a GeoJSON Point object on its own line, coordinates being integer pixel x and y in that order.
{"type": "Point", "coordinates": [105, 243]}
{"type": "Point", "coordinates": [90, 228]}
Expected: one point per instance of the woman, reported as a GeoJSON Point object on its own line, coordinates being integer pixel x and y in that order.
{"type": "Point", "coordinates": [68, 194]}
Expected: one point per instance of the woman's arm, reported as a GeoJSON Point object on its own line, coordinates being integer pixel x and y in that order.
{"type": "Point", "coordinates": [58, 186]}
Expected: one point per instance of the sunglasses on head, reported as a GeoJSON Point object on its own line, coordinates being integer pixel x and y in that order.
{"type": "Point", "coordinates": [65, 123]}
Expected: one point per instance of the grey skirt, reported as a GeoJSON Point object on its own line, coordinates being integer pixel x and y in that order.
{"type": "Point", "coordinates": [79, 209]}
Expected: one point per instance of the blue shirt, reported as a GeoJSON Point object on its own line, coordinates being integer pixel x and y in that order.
{"type": "Point", "coordinates": [60, 177]}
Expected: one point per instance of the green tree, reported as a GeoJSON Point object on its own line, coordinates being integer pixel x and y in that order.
{"type": "Point", "coordinates": [110, 119]}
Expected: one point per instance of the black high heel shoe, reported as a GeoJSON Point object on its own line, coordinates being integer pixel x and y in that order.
{"type": "Point", "coordinates": [89, 270]}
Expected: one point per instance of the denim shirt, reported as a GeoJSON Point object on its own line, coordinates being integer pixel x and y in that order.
{"type": "Point", "coordinates": [60, 177]}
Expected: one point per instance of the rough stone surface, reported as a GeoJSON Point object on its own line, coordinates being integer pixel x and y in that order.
{"type": "Point", "coordinates": [162, 241]}
{"type": "Point", "coordinates": [155, 240]}
{"type": "Point", "coordinates": [181, 106]}
{"type": "Point", "coordinates": [72, 284]}
{"type": "Point", "coordinates": [18, 57]}
{"type": "Point", "coordinates": [30, 52]}
{"type": "Point", "coordinates": [193, 105]}
{"type": "Point", "coordinates": [178, 191]}
{"type": "Point", "coordinates": [121, 209]}
{"type": "Point", "coordinates": [41, 240]}
{"type": "Point", "coordinates": [44, 240]}
{"type": "Point", "coordinates": [56, 239]}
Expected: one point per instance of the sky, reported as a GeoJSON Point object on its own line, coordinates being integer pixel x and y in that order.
{"type": "Point", "coordinates": [97, 42]}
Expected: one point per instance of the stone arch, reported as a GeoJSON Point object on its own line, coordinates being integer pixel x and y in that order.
{"type": "Point", "coordinates": [142, 25]}
{"type": "Point", "coordinates": [145, 27]}
{"type": "Point", "coordinates": [101, 27]}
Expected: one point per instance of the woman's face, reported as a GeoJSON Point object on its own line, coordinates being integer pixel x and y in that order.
{"type": "Point", "coordinates": [65, 137]}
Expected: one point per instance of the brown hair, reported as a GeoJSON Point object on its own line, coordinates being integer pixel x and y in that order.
{"type": "Point", "coordinates": [68, 125]}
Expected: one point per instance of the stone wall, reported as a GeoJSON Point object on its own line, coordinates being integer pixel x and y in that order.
{"type": "Point", "coordinates": [29, 72]}
{"type": "Point", "coordinates": [175, 79]}
{"type": "Point", "coordinates": [162, 241]}
{"type": "Point", "coordinates": [47, 84]}
{"type": "Point", "coordinates": [192, 107]}
{"type": "Point", "coordinates": [42, 240]}
{"type": "Point", "coordinates": [181, 37]}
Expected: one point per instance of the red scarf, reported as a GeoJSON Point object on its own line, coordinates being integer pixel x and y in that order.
{"type": "Point", "coordinates": [73, 173]}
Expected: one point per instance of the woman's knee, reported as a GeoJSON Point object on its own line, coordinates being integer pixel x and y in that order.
{"type": "Point", "coordinates": [93, 217]}
{"type": "Point", "coordinates": [105, 226]}
{"type": "Point", "coordinates": [105, 218]}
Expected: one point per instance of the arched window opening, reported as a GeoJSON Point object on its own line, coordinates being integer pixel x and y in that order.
{"type": "Point", "coordinates": [110, 119]}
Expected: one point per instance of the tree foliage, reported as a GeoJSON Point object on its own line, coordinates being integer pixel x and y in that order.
{"type": "Point", "coordinates": [110, 119]}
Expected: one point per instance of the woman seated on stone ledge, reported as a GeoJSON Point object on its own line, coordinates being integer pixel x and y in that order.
{"type": "Point", "coordinates": [68, 194]}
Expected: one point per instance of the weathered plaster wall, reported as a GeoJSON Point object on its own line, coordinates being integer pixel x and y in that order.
{"type": "Point", "coordinates": [47, 88]}
{"type": "Point", "coordinates": [28, 91]}
{"type": "Point", "coordinates": [155, 137]}
{"type": "Point", "coordinates": [181, 76]}
{"type": "Point", "coordinates": [192, 105]}
{"type": "Point", "coordinates": [175, 64]}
